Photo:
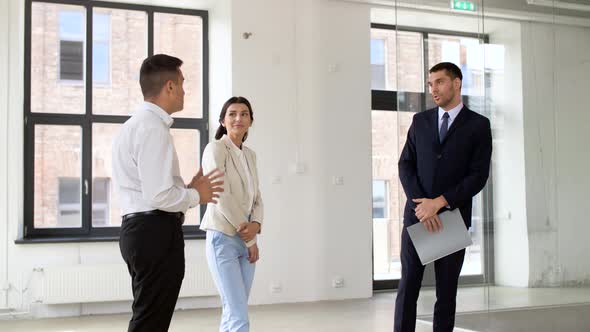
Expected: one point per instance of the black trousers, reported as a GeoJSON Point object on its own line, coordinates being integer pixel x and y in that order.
{"type": "Point", "coordinates": [447, 270]}
{"type": "Point", "coordinates": [153, 248]}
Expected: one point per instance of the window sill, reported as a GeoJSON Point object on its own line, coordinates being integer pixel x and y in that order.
{"type": "Point", "coordinates": [82, 239]}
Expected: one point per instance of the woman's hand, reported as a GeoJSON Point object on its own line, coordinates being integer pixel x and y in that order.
{"type": "Point", "coordinates": [248, 230]}
{"type": "Point", "coordinates": [253, 254]}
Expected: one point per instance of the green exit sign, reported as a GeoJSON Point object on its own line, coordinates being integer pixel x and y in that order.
{"type": "Point", "coordinates": [463, 5]}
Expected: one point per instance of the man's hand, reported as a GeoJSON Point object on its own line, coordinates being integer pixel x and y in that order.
{"type": "Point", "coordinates": [433, 224]}
{"type": "Point", "coordinates": [248, 230]}
{"type": "Point", "coordinates": [427, 209]}
{"type": "Point", "coordinates": [253, 254]}
{"type": "Point", "coordinates": [209, 185]}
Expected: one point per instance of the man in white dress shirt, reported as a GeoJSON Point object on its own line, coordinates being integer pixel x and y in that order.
{"type": "Point", "coordinates": [154, 197]}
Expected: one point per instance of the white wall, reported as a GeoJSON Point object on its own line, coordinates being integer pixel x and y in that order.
{"type": "Point", "coordinates": [510, 236]}
{"type": "Point", "coordinates": [556, 65]}
{"type": "Point", "coordinates": [314, 231]}
{"type": "Point", "coordinates": [573, 158]}
{"type": "Point", "coordinates": [4, 106]}
{"type": "Point", "coordinates": [13, 89]}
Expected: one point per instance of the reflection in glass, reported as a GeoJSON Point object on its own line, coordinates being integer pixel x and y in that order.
{"type": "Point", "coordinates": [468, 54]}
{"type": "Point", "coordinates": [386, 47]}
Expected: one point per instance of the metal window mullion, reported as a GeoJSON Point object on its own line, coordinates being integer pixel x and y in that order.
{"type": "Point", "coordinates": [128, 6]}
{"type": "Point", "coordinates": [384, 100]}
{"type": "Point", "coordinates": [427, 30]}
{"type": "Point", "coordinates": [87, 128]}
{"type": "Point", "coordinates": [104, 118]}
{"type": "Point", "coordinates": [29, 180]}
{"type": "Point", "coordinates": [28, 185]}
{"type": "Point", "coordinates": [489, 257]}
{"type": "Point", "coordinates": [204, 122]}
{"type": "Point", "coordinates": [190, 123]}
{"type": "Point", "coordinates": [87, 176]}
{"type": "Point", "coordinates": [204, 140]}
{"type": "Point", "coordinates": [145, 8]}
{"type": "Point", "coordinates": [488, 208]}
{"type": "Point", "coordinates": [150, 36]}
{"type": "Point", "coordinates": [55, 119]}
{"type": "Point", "coordinates": [61, 2]}
{"type": "Point", "coordinates": [425, 55]}
{"type": "Point", "coordinates": [205, 68]}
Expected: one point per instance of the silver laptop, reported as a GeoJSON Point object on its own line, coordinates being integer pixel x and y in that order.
{"type": "Point", "coordinates": [452, 238]}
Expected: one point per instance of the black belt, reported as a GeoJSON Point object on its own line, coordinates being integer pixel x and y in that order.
{"type": "Point", "coordinates": [178, 215]}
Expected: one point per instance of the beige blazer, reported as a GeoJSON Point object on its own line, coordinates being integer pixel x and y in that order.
{"type": "Point", "coordinates": [233, 207]}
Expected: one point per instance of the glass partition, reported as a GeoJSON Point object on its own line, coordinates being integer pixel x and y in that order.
{"type": "Point", "coordinates": [524, 67]}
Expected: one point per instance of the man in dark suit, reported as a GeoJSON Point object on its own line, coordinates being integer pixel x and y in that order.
{"type": "Point", "coordinates": [444, 163]}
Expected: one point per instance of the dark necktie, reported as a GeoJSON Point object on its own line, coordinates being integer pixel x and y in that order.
{"type": "Point", "coordinates": [444, 127]}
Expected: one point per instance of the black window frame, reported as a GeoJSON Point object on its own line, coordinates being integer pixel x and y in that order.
{"type": "Point", "coordinates": [387, 100]}
{"type": "Point", "coordinates": [88, 233]}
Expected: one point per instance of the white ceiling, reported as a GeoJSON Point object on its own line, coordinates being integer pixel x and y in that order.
{"type": "Point", "coordinates": [517, 5]}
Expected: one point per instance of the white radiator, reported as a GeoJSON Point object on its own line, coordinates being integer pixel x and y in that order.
{"type": "Point", "coordinates": [109, 282]}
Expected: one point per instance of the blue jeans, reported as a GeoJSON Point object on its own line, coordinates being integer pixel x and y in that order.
{"type": "Point", "coordinates": [233, 274]}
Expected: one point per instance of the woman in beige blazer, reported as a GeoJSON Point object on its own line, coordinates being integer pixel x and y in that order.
{"type": "Point", "coordinates": [233, 223]}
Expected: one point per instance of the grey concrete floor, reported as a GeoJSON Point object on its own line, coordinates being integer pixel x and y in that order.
{"type": "Point", "coordinates": [570, 318]}
{"type": "Point", "coordinates": [364, 315]}
{"type": "Point", "coordinates": [374, 314]}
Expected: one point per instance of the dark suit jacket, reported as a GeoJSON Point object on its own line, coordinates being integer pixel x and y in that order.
{"type": "Point", "coordinates": [457, 168]}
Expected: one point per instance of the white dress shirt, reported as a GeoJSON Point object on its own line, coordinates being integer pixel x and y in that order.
{"type": "Point", "coordinates": [145, 165]}
{"type": "Point", "coordinates": [245, 168]}
{"type": "Point", "coordinates": [452, 115]}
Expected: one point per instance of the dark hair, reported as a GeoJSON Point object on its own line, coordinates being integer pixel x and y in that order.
{"type": "Point", "coordinates": [221, 130]}
{"type": "Point", "coordinates": [452, 70]}
{"type": "Point", "coordinates": [155, 71]}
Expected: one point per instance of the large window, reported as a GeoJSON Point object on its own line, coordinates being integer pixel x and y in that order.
{"type": "Point", "coordinates": [400, 59]}
{"type": "Point", "coordinates": [81, 71]}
